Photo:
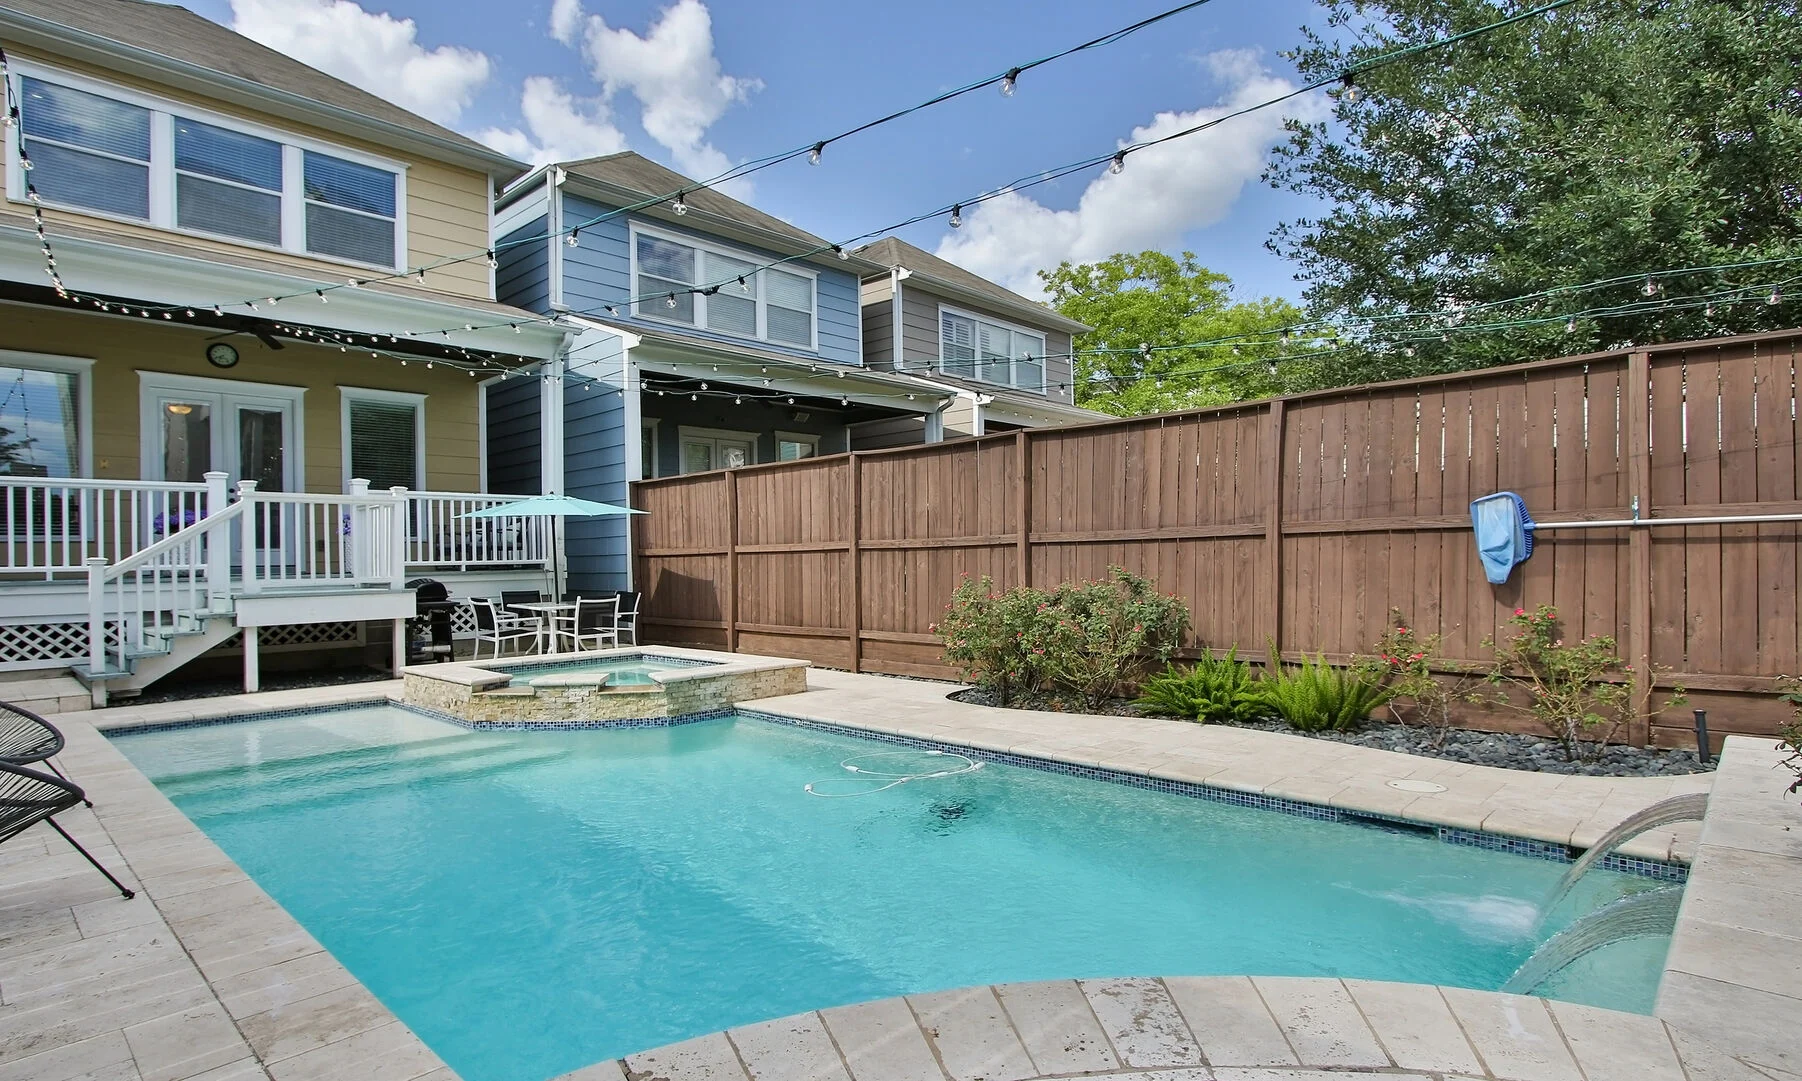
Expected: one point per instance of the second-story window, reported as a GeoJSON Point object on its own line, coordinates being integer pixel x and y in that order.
{"type": "Point", "coordinates": [86, 150]}
{"type": "Point", "coordinates": [770, 304]}
{"type": "Point", "coordinates": [125, 155]}
{"type": "Point", "coordinates": [227, 182]}
{"type": "Point", "coordinates": [992, 352]}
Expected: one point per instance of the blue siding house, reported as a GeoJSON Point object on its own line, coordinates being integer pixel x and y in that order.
{"type": "Point", "coordinates": [709, 335]}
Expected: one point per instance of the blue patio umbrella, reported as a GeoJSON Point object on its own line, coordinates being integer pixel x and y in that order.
{"type": "Point", "coordinates": [552, 507]}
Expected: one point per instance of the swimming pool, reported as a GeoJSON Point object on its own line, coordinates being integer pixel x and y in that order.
{"type": "Point", "coordinates": [531, 902]}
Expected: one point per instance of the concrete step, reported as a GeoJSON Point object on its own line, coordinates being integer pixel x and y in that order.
{"type": "Point", "coordinates": [47, 694]}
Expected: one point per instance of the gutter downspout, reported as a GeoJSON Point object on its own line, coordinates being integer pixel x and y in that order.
{"type": "Point", "coordinates": [553, 225]}
{"type": "Point", "coordinates": [896, 275]}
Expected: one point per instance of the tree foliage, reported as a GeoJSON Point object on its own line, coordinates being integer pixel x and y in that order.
{"type": "Point", "coordinates": [1154, 299]}
{"type": "Point", "coordinates": [1610, 138]}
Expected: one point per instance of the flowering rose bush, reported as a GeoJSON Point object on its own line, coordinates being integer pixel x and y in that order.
{"type": "Point", "coordinates": [1087, 639]}
{"type": "Point", "coordinates": [1412, 668]}
{"type": "Point", "coordinates": [984, 632]}
{"type": "Point", "coordinates": [1791, 733]}
{"type": "Point", "coordinates": [1578, 690]}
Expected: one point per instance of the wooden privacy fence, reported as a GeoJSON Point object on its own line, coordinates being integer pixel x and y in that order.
{"type": "Point", "coordinates": [1302, 520]}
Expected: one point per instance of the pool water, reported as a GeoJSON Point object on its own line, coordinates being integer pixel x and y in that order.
{"type": "Point", "coordinates": [623, 672]}
{"type": "Point", "coordinates": [532, 902]}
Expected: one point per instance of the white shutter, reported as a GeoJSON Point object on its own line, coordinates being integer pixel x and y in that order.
{"type": "Point", "coordinates": [957, 345]}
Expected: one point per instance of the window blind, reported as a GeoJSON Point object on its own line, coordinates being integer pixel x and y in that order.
{"type": "Point", "coordinates": [384, 444]}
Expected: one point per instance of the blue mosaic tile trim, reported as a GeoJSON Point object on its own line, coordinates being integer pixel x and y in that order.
{"type": "Point", "coordinates": [568, 726]}
{"type": "Point", "coordinates": [564, 666]}
{"type": "Point", "coordinates": [236, 718]}
{"type": "Point", "coordinates": [1670, 872]}
{"type": "Point", "coordinates": [1047, 765]}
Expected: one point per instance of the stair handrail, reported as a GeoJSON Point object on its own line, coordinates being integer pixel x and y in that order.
{"type": "Point", "coordinates": [217, 571]}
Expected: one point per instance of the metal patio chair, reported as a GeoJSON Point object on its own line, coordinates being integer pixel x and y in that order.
{"type": "Point", "coordinates": [625, 620]}
{"type": "Point", "coordinates": [28, 797]}
{"type": "Point", "coordinates": [498, 628]}
{"type": "Point", "coordinates": [594, 620]}
{"type": "Point", "coordinates": [27, 739]}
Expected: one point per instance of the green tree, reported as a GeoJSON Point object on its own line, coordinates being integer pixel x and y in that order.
{"type": "Point", "coordinates": [1607, 139]}
{"type": "Point", "coordinates": [1152, 300]}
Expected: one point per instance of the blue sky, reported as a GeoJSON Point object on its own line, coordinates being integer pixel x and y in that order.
{"type": "Point", "coordinates": [694, 84]}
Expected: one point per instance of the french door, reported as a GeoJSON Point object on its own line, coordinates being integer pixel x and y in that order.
{"type": "Point", "coordinates": [192, 426]}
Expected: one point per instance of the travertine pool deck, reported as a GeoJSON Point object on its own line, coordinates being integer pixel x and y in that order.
{"type": "Point", "coordinates": [1223, 1028]}
{"type": "Point", "coordinates": [203, 976]}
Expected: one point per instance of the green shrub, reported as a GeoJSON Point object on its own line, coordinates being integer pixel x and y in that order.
{"type": "Point", "coordinates": [985, 631]}
{"type": "Point", "coordinates": [1093, 637]}
{"type": "Point", "coordinates": [1217, 690]}
{"type": "Point", "coordinates": [1085, 639]}
{"type": "Point", "coordinates": [1317, 697]}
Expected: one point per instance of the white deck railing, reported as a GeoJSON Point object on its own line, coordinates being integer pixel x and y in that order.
{"type": "Point", "coordinates": [292, 540]}
{"type": "Point", "coordinates": [53, 525]}
{"type": "Point", "coordinates": [439, 536]}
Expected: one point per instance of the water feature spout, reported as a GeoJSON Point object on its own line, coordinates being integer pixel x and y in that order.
{"type": "Point", "coordinates": [1638, 915]}
{"type": "Point", "coordinates": [1685, 808]}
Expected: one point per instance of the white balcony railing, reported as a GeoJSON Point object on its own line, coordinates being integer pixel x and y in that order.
{"type": "Point", "coordinates": [439, 536]}
{"type": "Point", "coordinates": [53, 525]}
{"type": "Point", "coordinates": [292, 540]}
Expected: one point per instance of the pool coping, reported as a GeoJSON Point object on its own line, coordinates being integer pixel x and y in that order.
{"type": "Point", "coordinates": [239, 949]}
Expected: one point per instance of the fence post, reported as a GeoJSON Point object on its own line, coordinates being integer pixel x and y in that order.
{"type": "Point", "coordinates": [218, 543]}
{"type": "Point", "coordinates": [1638, 393]}
{"type": "Point", "coordinates": [397, 537]}
{"type": "Point", "coordinates": [247, 535]}
{"type": "Point", "coordinates": [854, 576]}
{"type": "Point", "coordinates": [97, 615]}
{"type": "Point", "coordinates": [1023, 507]}
{"type": "Point", "coordinates": [731, 561]}
{"type": "Point", "coordinates": [1270, 564]}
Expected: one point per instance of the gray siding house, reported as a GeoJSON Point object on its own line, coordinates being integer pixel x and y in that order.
{"type": "Point", "coordinates": [1006, 358]}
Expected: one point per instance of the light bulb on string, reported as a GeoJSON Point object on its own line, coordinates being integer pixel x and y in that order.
{"type": "Point", "coordinates": [1352, 92]}
{"type": "Point", "coordinates": [813, 156]}
{"type": "Point", "coordinates": [680, 206]}
{"type": "Point", "coordinates": [669, 301]}
{"type": "Point", "coordinates": [492, 261]}
{"type": "Point", "coordinates": [574, 238]}
{"type": "Point", "coordinates": [1776, 296]}
{"type": "Point", "coordinates": [1650, 288]}
{"type": "Point", "coordinates": [1118, 165]}
{"type": "Point", "coordinates": [1570, 325]}
{"type": "Point", "coordinates": [321, 294]}
{"type": "Point", "coordinates": [1008, 81]}
{"type": "Point", "coordinates": [957, 216]}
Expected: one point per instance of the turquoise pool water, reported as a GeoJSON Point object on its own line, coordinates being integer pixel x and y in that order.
{"type": "Point", "coordinates": [531, 902]}
{"type": "Point", "coordinates": [625, 672]}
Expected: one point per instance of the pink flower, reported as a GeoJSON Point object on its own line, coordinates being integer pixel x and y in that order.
{"type": "Point", "coordinates": [1520, 611]}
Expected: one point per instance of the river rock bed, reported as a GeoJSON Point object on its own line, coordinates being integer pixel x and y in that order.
{"type": "Point", "coordinates": [1507, 750]}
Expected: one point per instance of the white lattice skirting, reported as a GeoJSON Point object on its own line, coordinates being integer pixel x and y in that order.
{"type": "Point", "coordinates": [47, 645]}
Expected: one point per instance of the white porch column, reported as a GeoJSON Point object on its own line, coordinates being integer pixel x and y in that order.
{"type": "Point", "coordinates": [400, 646]}
{"type": "Point", "coordinates": [252, 679]}
{"type": "Point", "coordinates": [218, 547]}
{"type": "Point", "coordinates": [247, 536]}
{"type": "Point", "coordinates": [397, 538]}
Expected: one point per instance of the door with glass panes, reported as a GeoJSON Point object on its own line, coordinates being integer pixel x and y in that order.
{"type": "Point", "coordinates": [195, 426]}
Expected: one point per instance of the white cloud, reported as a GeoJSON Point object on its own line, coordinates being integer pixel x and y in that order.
{"type": "Point", "coordinates": [372, 50]}
{"type": "Point", "coordinates": [1164, 192]}
{"type": "Point", "coordinates": [673, 73]}
{"type": "Point", "coordinates": [559, 127]}
{"type": "Point", "coordinates": [566, 19]}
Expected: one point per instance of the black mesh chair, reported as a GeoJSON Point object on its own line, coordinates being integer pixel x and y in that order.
{"type": "Point", "coordinates": [511, 597]}
{"type": "Point", "coordinates": [625, 617]}
{"type": "Point", "coordinates": [27, 739]}
{"type": "Point", "coordinates": [28, 797]}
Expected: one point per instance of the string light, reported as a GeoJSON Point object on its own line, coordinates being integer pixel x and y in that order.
{"type": "Point", "coordinates": [1008, 81]}
{"type": "Point", "coordinates": [680, 206]}
{"type": "Point", "coordinates": [813, 156]}
{"type": "Point", "coordinates": [574, 239]}
{"type": "Point", "coordinates": [1118, 165]}
{"type": "Point", "coordinates": [1351, 92]}
{"type": "Point", "coordinates": [957, 216]}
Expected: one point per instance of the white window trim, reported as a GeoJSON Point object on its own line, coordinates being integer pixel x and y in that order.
{"type": "Point", "coordinates": [648, 469]}
{"type": "Point", "coordinates": [976, 366]}
{"type": "Point", "coordinates": [646, 309]}
{"type": "Point", "coordinates": [82, 368]}
{"type": "Point", "coordinates": [162, 167]}
{"type": "Point", "coordinates": [685, 433]}
{"type": "Point", "coordinates": [797, 437]}
{"type": "Point", "coordinates": [151, 384]}
{"type": "Point", "coordinates": [347, 395]}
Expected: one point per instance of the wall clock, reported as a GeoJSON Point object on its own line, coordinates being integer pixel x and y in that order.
{"type": "Point", "coordinates": [221, 355]}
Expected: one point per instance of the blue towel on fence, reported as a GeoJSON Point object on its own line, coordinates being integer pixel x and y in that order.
{"type": "Point", "coordinates": [1504, 533]}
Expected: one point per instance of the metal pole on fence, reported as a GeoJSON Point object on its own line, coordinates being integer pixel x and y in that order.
{"type": "Point", "coordinates": [1702, 736]}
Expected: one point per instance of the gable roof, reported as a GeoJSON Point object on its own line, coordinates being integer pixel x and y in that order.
{"type": "Point", "coordinates": [629, 176]}
{"type": "Point", "coordinates": [893, 251]}
{"type": "Point", "coordinates": [173, 45]}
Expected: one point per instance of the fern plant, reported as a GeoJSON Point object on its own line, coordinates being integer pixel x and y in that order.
{"type": "Point", "coordinates": [1317, 697]}
{"type": "Point", "coordinates": [1217, 690]}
